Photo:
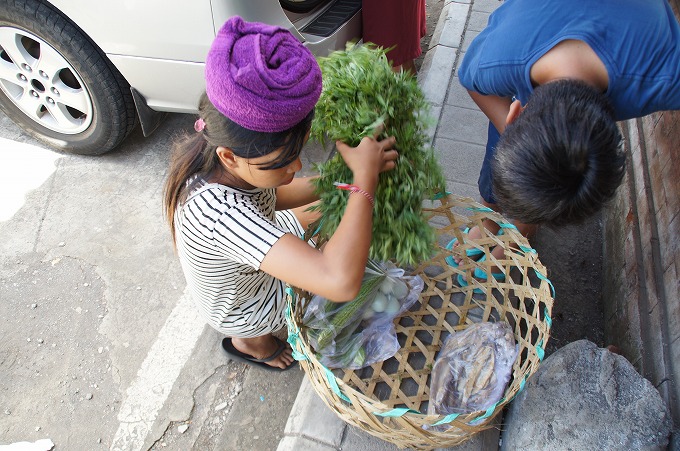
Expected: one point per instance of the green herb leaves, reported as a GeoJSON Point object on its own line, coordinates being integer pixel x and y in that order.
{"type": "Point", "coordinates": [361, 92]}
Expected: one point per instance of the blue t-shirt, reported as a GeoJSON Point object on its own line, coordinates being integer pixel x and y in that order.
{"type": "Point", "coordinates": [637, 40]}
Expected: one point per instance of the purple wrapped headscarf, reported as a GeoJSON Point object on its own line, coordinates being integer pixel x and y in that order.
{"type": "Point", "coordinates": [260, 76]}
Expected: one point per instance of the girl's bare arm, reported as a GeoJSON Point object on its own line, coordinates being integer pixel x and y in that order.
{"type": "Point", "coordinates": [298, 193]}
{"type": "Point", "coordinates": [336, 271]}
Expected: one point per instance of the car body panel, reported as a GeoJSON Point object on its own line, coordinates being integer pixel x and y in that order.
{"type": "Point", "coordinates": [186, 83]}
{"type": "Point", "coordinates": [163, 54]}
{"type": "Point", "coordinates": [142, 29]}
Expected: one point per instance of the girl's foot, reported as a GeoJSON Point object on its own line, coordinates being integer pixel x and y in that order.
{"type": "Point", "coordinates": [265, 349]}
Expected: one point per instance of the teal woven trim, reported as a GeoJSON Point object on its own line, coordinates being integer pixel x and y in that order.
{"type": "Point", "coordinates": [447, 419]}
{"type": "Point", "coordinates": [440, 195]}
{"type": "Point", "coordinates": [289, 319]}
{"type": "Point", "coordinates": [293, 340]}
{"type": "Point", "coordinates": [540, 351]}
{"type": "Point", "coordinates": [542, 277]}
{"type": "Point", "coordinates": [507, 225]}
{"type": "Point", "coordinates": [396, 412]}
{"type": "Point", "coordinates": [488, 412]}
{"type": "Point", "coordinates": [548, 319]}
{"type": "Point", "coordinates": [334, 385]}
{"type": "Point", "coordinates": [521, 385]}
{"type": "Point", "coordinates": [525, 249]}
{"type": "Point", "coordinates": [481, 209]}
{"type": "Point", "coordinates": [293, 331]}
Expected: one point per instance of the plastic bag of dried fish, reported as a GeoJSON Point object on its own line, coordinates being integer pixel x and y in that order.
{"type": "Point", "coordinates": [472, 369]}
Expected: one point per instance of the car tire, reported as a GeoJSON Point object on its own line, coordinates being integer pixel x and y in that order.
{"type": "Point", "coordinates": [57, 85]}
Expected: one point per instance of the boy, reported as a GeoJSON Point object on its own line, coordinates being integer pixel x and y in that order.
{"type": "Point", "coordinates": [553, 77]}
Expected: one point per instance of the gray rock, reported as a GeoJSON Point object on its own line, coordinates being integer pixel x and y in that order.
{"type": "Point", "coordinates": [585, 398]}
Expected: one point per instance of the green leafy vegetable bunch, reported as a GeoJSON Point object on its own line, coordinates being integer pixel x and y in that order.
{"type": "Point", "coordinates": [361, 92]}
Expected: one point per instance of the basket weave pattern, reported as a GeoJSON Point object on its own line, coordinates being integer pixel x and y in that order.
{"type": "Point", "coordinates": [389, 399]}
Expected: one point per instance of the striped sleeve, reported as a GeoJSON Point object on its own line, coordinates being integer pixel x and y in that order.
{"type": "Point", "coordinates": [241, 228]}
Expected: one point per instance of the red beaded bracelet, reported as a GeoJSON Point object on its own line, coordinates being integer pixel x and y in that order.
{"type": "Point", "coordinates": [355, 189]}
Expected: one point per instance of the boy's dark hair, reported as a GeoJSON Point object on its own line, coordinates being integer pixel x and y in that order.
{"type": "Point", "coordinates": [561, 160]}
{"type": "Point", "coordinates": [194, 156]}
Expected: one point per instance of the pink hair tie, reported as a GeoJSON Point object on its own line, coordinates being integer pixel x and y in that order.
{"type": "Point", "coordinates": [199, 125]}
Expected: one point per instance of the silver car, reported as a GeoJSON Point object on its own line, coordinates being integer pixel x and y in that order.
{"type": "Point", "coordinates": [81, 74]}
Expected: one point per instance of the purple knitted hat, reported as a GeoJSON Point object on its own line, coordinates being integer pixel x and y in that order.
{"type": "Point", "coordinates": [260, 76]}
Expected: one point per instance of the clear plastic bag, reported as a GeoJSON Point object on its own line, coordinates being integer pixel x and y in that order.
{"type": "Point", "coordinates": [472, 369]}
{"type": "Point", "coordinates": [361, 332]}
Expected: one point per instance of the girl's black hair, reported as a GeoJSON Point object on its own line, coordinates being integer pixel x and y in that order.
{"type": "Point", "coordinates": [194, 156]}
{"type": "Point", "coordinates": [561, 160]}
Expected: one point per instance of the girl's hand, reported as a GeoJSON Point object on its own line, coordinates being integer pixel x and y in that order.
{"type": "Point", "coordinates": [370, 157]}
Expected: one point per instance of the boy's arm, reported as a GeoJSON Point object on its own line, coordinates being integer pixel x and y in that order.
{"type": "Point", "coordinates": [496, 108]}
{"type": "Point", "coordinates": [296, 194]}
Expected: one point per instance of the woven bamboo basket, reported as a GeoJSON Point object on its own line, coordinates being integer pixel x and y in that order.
{"type": "Point", "coordinates": [389, 399]}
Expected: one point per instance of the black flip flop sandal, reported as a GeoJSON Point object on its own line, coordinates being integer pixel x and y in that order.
{"type": "Point", "coordinates": [239, 356]}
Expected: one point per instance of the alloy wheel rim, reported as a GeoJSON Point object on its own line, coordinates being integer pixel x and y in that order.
{"type": "Point", "coordinates": [42, 83]}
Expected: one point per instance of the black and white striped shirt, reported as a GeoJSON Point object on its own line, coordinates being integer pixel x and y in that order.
{"type": "Point", "coordinates": [223, 234]}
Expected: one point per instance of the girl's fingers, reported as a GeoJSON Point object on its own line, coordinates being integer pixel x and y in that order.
{"type": "Point", "coordinates": [388, 143]}
{"type": "Point", "coordinates": [341, 145]}
{"type": "Point", "coordinates": [378, 130]}
{"type": "Point", "coordinates": [391, 155]}
{"type": "Point", "coordinates": [388, 165]}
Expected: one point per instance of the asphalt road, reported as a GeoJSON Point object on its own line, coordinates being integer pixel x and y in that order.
{"type": "Point", "coordinates": [100, 347]}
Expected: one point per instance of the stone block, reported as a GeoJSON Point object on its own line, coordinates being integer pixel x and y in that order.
{"type": "Point", "coordinates": [630, 252]}
{"type": "Point", "coordinates": [669, 242]}
{"type": "Point", "coordinates": [670, 183]}
{"type": "Point", "coordinates": [461, 57]}
{"type": "Point", "coordinates": [311, 419]}
{"type": "Point", "coordinates": [434, 79]}
{"type": "Point", "coordinates": [645, 235]}
{"type": "Point", "coordinates": [357, 439]}
{"type": "Point", "coordinates": [469, 37]}
{"type": "Point", "coordinates": [463, 124]}
{"type": "Point", "coordinates": [674, 351]}
{"type": "Point", "coordinates": [478, 20]}
{"type": "Point", "coordinates": [302, 443]}
{"type": "Point", "coordinates": [672, 288]}
{"type": "Point", "coordinates": [654, 346]}
{"type": "Point", "coordinates": [451, 25]}
{"type": "Point", "coordinates": [487, 440]}
{"type": "Point", "coordinates": [650, 273]}
{"type": "Point", "coordinates": [435, 113]}
{"type": "Point", "coordinates": [463, 161]}
{"type": "Point", "coordinates": [463, 189]}
{"type": "Point", "coordinates": [583, 398]}
{"type": "Point", "coordinates": [486, 5]}
{"type": "Point", "coordinates": [458, 95]}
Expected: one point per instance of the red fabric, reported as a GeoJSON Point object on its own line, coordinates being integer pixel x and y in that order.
{"type": "Point", "coordinates": [400, 23]}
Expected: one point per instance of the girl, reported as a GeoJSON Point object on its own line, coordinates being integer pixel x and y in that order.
{"type": "Point", "coordinates": [236, 212]}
